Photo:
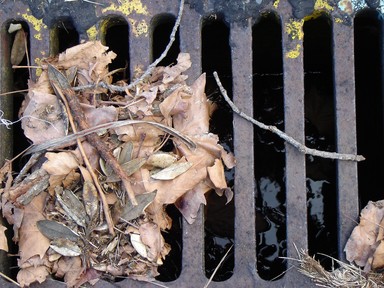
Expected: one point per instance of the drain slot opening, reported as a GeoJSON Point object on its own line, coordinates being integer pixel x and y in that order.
{"type": "Point", "coordinates": [319, 107]}
{"type": "Point", "coordinates": [219, 217]}
{"type": "Point", "coordinates": [369, 103]}
{"type": "Point", "coordinates": [269, 149]}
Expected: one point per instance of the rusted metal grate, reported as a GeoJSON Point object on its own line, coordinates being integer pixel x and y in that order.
{"type": "Point", "coordinates": [87, 21]}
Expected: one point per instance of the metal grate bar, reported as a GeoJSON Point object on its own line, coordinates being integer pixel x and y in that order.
{"type": "Point", "coordinates": [245, 244]}
{"type": "Point", "coordinates": [296, 200]}
{"type": "Point", "coordinates": [348, 200]}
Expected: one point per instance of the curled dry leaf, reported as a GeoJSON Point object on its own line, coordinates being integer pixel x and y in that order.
{"type": "Point", "coordinates": [3, 238]}
{"type": "Point", "coordinates": [60, 163]}
{"type": "Point", "coordinates": [359, 247]}
{"type": "Point", "coordinates": [89, 54]}
{"type": "Point", "coordinates": [183, 63]}
{"type": "Point", "coordinates": [189, 203]}
{"type": "Point", "coordinates": [378, 257]}
{"type": "Point", "coordinates": [18, 47]}
{"type": "Point", "coordinates": [96, 116]}
{"type": "Point", "coordinates": [44, 112]}
{"type": "Point", "coordinates": [65, 247]}
{"type": "Point", "coordinates": [138, 245]}
{"type": "Point", "coordinates": [172, 171]}
{"type": "Point", "coordinates": [161, 159]}
{"type": "Point", "coordinates": [27, 276]}
{"type": "Point", "coordinates": [32, 242]}
{"type": "Point", "coordinates": [71, 269]}
{"type": "Point", "coordinates": [151, 237]}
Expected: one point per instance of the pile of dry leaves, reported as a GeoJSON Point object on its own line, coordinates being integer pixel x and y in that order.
{"type": "Point", "coordinates": [90, 203]}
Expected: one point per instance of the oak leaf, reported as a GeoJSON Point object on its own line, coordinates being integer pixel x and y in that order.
{"type": "Point", "coordinates": [361, 244]}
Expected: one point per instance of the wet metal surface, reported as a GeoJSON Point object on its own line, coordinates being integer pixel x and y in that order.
{"type": "Point", "coordinates": [42, 16]}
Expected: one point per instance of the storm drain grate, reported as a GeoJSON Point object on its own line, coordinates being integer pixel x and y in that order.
{"type": "Point", "coordinates": [314, 72]}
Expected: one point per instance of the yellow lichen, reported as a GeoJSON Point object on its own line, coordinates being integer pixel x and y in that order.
{"type": "Point", "coordinates": [294, 53]}
{"type": "Point", "coordinates": [323, 4]}
{"type": "Point", "coordinates": [338, 20]}
{"type": "Point", "coordinates": [295, 29]}
{"type": "Point", "coordinates": [92, 33]}
{"type": "Point", "coordinates": [36, 23]}
{"type": "Point", "coordinates": [139, 27]}
{"type": "Point", "coordinates": [38, 70]}
{"type": "Point", "coordinates": [127, 7]}
{"type": "Point", "coordinates": [138, 70]}
{"type": "Point", "coordinates": [276, 4]}
{"type": "Point", "coordinates": [314, 15]}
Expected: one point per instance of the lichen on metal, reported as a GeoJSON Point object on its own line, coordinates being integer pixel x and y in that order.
{"type": "Point", "coordinates": [294, 28]}
{"type": "Point", "coordinates": [36, 23]}
{"type": "Point", "coordinates": [323, 4]}
{"type": "Point", "coordinates": [276, 3]}
{"type": "Point", "coordinates": [139, 27]}
{"type": "Point", "coordinates": [294, 53]}
{"type": "Point", "coordinates": [38, 70]}
{"type": "Point", "coordinates": [127, 7]}
{"type": "Point", "coordinates": [92, 33]}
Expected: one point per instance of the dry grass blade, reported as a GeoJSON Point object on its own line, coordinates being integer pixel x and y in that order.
{"type": "Point", "coordinates": [346, 275]}
{"type": "Point", "coordinates": [72, 137]}
{"type": "Point", "coordinates": [218, 266]}
{"type": "Point", "coordinates": [9, 279]}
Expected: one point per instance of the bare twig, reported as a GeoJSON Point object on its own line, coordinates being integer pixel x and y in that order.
{"type": "Point", "coordinates": [302, 148]}
{"type": "Point", "coordinates": [150, 68]}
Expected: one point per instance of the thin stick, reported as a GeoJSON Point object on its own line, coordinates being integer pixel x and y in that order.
{"type": "Point", "coordinates": [302, 148]}
{"type": "Point", "coordinates": [14, 92]}
{"type": "Point", "coordinates": [150, 68]}
{"type": "Point", "coordinates": [217, 267]}
{"type": "Point", "coordinates": [104, 201]}
{"type": "Point", "coordinates": [9, 279]}
{"type": "Point", "coordinates": [25, 66]}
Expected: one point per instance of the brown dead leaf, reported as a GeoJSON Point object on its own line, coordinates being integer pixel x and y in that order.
{"type": "Point", "coordinates": [378, 257]}
{"type": "Point", "coordinates": [44, 117]}
{"type": "Point", "coordinates": [176, 103]}
{"type": "Point", "coordinates": [27, 276]}
{"type": "Point", "coordinates": [71, 269]}
{"type": "Point", "coordinates": [151, 237]}
{"type": "Point", "coordinates": [90, 56]}
{"type": "Point", "coordinates": [32, 241]}
{"type": "Point", "coordinates": [189, 204]}
{"type": "Point", "coordinates": [60, 163]}
{"type": "Point", "coordinates": [18, 47]}
{"type": "Point", "coordinates": [216, 174]}
{"type": "Point", "coordinates": [14, 216]}
{"type": "Point", "coordinates": [3, 238]}
{"type": "Point", "coordinates": [90, 276]}
{"type": "Point", "coordinates": [96, 116]}
{"type": "Point", "coordinates": [172, 72]}
{"type": "Point", "coordinates": [172, 171]}
{"type": "Point", "coordinates": [195, 120]}
{"type": "Point", "coordinates": [359, 245]}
